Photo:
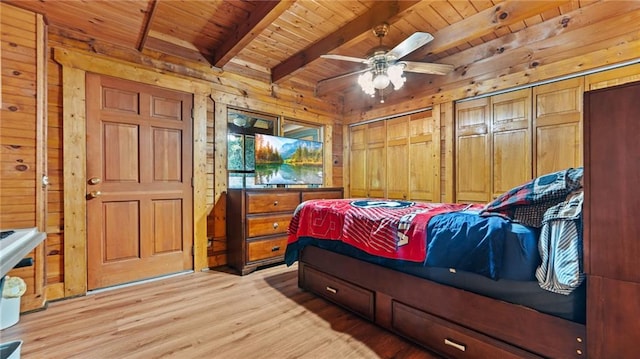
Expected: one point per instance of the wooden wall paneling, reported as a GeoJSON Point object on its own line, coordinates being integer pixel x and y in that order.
{"type": "Point", "coordinates": [327, 171]}
{"type": "Point", "coordinates": [346, 160]}
{"type": "Point", "coordinates": [217, 253]}
{"type": "Point", "coordinates": [398, 158]}
{"type": "Point", "coordinates": [337, 159]}
{"type": "Point", "coordinates": [23, 200]}
{"type": "Point", "coordinates": [510, 140]}
{"type": "Point", "coordinates": [557, 124]}
{"type": "Point", "coordinates": [473, 151]}
{"type": "Point", "coordinates": [619, 76]}
{"type": "Point", "coordinates": [200, 185]}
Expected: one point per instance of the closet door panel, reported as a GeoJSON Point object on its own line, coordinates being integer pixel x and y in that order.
{"type": "Point", "coordinates": [473, 151]}
{"type": "Point", "coordinates": [511, 140]}
{"type": "Point", "coordinates": [376, 160]}
{"type": "Point", "coordinates": [357, 162]}
{"type": "Point", "coordinates": [558, 125]}
{"type": "Point", "coordinates": [424, 157]}
{"type": "Point", "coordinates": [398, 158]}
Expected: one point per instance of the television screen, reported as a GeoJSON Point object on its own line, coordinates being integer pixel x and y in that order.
{"type": "Point", "coordinates": [282, 160]}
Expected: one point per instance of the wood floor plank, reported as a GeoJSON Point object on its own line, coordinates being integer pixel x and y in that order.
{"type": "Point", "coordinates": [213, 314]}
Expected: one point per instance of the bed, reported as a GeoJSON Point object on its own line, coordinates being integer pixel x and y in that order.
{"type": "Point", "coordinates": [471, 281]}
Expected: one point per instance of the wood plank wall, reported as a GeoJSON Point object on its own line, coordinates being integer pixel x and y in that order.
{"type": "Point", "coordinates": [22, 137]}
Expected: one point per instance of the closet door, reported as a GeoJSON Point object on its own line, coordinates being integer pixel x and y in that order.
{"type": "Point", "coordinates": [358, 161]}
{"type": "Point", "coordinates": [424, 157]}
{"type": "Point", "coordinates": [511, 140]}
{"type": "Point", "coordinates": [376, 170]}
{"type": "Point", "coordinates": [473, 151]}
{"type": "Point", "coordinates": [557, 126]}
{"type": "Point", "coordinates": [398, 158]}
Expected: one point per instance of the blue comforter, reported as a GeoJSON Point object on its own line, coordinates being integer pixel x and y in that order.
{"type": "Point", "coordinates": [466, 241]}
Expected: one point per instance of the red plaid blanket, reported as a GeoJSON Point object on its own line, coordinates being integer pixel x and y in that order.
{"type": "Point", "coordinates": [386, 228]}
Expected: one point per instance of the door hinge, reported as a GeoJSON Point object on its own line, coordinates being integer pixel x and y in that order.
{"type": "Point", "coordinates": [192, 113]}
{"type": "Point", "coordinates": [191, 181]}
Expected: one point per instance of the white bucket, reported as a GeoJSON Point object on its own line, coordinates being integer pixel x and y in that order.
{"type": "Point", "coordinates": [9, 311]}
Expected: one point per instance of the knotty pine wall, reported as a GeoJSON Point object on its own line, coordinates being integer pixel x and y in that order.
{"type": "Point", "coordinates": [22, 138]}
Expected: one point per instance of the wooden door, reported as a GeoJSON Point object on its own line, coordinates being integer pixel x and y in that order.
{"type": "Point", "coordinates": [511, 140]}
{"type": "Point", "coordinates": [557, 126]}
{"type": "Point", "coordinates": [358, 161]}
{"type": "Point", "coordinates": [473, 150]}
{"type": "Point", "coordinates": [376, 160]}
{"type": "Point", "coordinates": [398, 158]}
{"type": "Point", "coordinates": [139, 171]}
{"type": "Point", "coordinates": [424, 157]}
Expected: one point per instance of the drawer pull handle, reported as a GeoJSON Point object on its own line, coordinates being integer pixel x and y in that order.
{"type": "Point", "coordinates": [455, 345]}
{"type": "Point", "coordinates": [275, 225]}
{"type": "Point", "coordinates": [275, 248]}
{"type": "Point", "coordinates": [275, 203]}
{"type": "Point", "coordinates": [332, 290]}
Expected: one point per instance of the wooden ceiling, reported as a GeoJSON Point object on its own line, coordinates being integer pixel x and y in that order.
{"type": "Point", "coordinates": [281, 41]}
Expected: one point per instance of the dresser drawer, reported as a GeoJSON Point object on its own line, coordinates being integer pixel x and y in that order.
{"type": "Point", "coordinates": [321, 195]}
{"type": "Point", "coordinates": [272, 202]}
{"type": "Point", "coordinates": [268, 224]}
{"type": "Point", "coordinates": [266, 248]}
{"type": "Point", "coordinates": [353, 297]}
{"type": "Point", "coordinates": [449, 339]}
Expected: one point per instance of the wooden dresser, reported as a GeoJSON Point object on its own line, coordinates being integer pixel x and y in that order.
{"type": "Point", "coordinates": [258, 219]}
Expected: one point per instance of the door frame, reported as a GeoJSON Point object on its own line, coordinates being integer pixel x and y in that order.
{"type": "Point", "coordinates": [75, 65]}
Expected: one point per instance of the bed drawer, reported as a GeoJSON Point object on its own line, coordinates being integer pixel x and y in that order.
{"type": "Point", "coordinates": [449, 339]}
{"type": "Point", "coordinates": [268, 224]}
{"type": "Point", "coordinates": [266, 248]}
{"type": "Point", "coordinates": [272, 202]}
{"type": "Point", "coordinates": [348, 295]}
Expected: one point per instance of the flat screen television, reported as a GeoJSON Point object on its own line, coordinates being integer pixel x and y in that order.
{"type": "Point", "coordinates": [282, 160]}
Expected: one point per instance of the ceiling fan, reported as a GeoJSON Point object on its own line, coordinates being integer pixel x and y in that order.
{"type": "Point", "coordinates": [384, 66]}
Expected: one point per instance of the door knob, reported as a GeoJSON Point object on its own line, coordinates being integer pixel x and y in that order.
{"type": "Point", "coordinates": [94, 194]}
{"type": "Point", "coordinates": [94, 180]}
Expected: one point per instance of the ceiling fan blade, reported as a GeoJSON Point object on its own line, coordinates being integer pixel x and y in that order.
{"type": "Point", "coordinates": [427, 68]}
{"type": "Point", "coordinates": [410, 44]}
{"type": "Point", "coordinates": [344, 58]}
{"type": "Point", "coordinates": [342, 76]}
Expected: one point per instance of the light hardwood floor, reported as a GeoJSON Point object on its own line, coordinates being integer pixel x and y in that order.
{"type": "Point", "coordinates": [212, 314]}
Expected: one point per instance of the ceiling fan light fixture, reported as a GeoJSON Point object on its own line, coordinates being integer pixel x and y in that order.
{"type": "Point", "coordinates": [395, 73]}
{"type": "Point", "coordinates": [381, 81]}
{"type": "Point", "coordinates": [365, 81]}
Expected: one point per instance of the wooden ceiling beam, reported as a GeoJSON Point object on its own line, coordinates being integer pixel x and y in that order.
{"type": "Point", "coordinates": [483, 23]}
{"type": "Point", "coordinates": [148, 18]}
{"type": "Point", "coordinates": [382, 11]}
{"type": "Point", "coordinates": [262, 16]}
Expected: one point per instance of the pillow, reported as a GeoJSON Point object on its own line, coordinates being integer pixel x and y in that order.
{"type": "Point", "coordinates": [528, 202]}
